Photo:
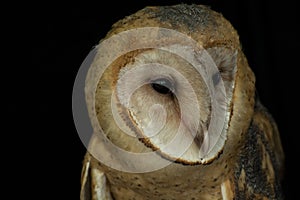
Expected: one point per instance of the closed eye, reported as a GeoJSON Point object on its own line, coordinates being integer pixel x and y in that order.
{"type": "Point", "coordinates": [162, 86]}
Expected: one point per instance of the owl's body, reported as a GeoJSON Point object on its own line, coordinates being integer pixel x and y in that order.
{"type": "Point", "coordinates": [247, 161]}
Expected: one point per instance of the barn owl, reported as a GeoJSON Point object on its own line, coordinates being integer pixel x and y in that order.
{"type": "Point", "coordinates": [175, 114]}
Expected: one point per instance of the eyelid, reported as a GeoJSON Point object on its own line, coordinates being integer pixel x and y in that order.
{"type": "Point", "coordinates": [170, 80]}
{"type": "Point", "coordinates": [166, 77]}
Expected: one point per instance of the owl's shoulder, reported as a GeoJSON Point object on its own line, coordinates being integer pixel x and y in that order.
{"type": "Point", "coordinates": [259, 167]}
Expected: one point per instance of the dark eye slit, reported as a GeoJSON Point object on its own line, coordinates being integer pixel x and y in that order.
{"type": "Point", "coordinates": [162, 86]}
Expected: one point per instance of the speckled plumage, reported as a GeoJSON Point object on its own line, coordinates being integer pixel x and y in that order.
{"type": "Point", "coordinates": [251, 161]}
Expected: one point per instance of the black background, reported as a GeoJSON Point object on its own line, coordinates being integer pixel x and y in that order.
{"type": "Point", "coordinates": [63, 35]}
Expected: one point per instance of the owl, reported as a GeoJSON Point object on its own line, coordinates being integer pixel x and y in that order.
{"type": "Point", "coordinates": [175, 114]}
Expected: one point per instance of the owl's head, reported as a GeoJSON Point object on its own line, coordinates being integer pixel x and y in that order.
{"type": "Point", "coordinates": [164, 80]}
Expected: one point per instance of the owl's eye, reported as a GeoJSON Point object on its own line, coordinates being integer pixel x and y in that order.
{"type": "Point", "coordinates": [162, 86]}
